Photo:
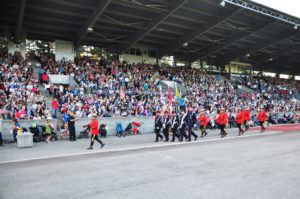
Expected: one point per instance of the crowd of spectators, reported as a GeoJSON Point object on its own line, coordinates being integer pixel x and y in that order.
{"type": "Point", "coordinates": [20, 95]}
{"type": "Point", "coordinates": [111, 88]}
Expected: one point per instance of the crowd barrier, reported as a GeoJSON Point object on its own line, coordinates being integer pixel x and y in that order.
{"type": "Point", "coordinates": [110, 122]}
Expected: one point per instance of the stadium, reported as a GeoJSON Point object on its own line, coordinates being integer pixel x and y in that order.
{"type": "Point", "coordinates": [184, 99]}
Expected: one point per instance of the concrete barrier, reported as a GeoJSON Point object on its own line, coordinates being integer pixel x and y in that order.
{"type": "Point", "coordinates": [6, 126]}
{"type": "Point", "coordinates": [111, 123]}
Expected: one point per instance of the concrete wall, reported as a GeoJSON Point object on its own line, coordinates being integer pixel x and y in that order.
{"type": "Point", "coordinates": [111, 123]}
{"type": "Point", "coordinates": [6, 126]}
{"type": "Point", "coordinates": [140, 59]}
{"type": "Point", "coordinates": [12, 48]}
{"type": "Point", "coordinates": [59, 79]}
{"type": "Point", "coordinates": [64, 49]}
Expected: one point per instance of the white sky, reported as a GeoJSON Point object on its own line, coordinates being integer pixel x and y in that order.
{"type": "Point", "coordinates": [291, 7]}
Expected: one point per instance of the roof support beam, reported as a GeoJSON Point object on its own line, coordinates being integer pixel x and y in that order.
{"type": "Point", "coordinates": [285, 51]}
{"type": "Point", "coordinates": [20, 21]}
{"type": "Point", "coordinates": [283, 60]}
{"type": "Point", "coordinates": [140, 34]}
{"type": "Point", "coordinates": [178, 42]}
{"type": "Point", "coordinates": [236, 38]}
{"type": "Point", "coordinates": [263, 11]}
{"type": "Point", "coordinates": [256, 47]}
{"type": "Point", "coordinates": [90, 21]}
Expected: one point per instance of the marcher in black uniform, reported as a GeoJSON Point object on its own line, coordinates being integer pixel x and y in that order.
{"type": "Point", "coordinates": [157, 126]}
{"type": "Point", "coordinates": [71, 126]}
{"type": "Point", "coordinates": [166, 126]}
{"type": "Point", "coordinates": [182, 125]}
{"type": "Point", "coordinates": [191, 121]}
{"type": "Point", "coordinates": [174, 127]}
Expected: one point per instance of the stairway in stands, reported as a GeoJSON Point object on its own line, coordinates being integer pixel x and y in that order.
{"type": "Point", "coordinates": [48, 100]}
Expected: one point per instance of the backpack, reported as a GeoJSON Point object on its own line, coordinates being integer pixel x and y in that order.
{"type": "Point", "coordinates": [119, 128]}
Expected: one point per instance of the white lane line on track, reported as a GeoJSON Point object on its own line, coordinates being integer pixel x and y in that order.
{"type": "Point", "coordinates": [137, 148]}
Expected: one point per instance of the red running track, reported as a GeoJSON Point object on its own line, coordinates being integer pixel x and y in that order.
{"type": "Point", "coordinates": [282, 128]}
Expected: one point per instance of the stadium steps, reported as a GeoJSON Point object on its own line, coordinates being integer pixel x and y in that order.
{"type": "Point", "coordinates": [173, 85]}
{"type": "Point", "coordinates": [48, 101]}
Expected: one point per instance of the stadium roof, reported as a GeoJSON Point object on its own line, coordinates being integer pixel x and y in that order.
{"type": "Point", "coordinates": [187, 29]}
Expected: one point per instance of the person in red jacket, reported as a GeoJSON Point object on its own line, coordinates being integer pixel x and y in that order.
{"type": "Point", "coordinates": [239, 119]}
{"type": "Point", "coordinates": [222, 121]}
{"type": "Point", "coordinates": [55, 105]}
{"type": "Point", "coordinates": [94, 132]}
{"type": "Point", "coordinates": [262, 116]}
{"type": "Point", "coordinates": [45, 78]}
{"type": "Point", "coordinates": [203, 123]}
{"type": "Point", "coordinates": [246, 114]}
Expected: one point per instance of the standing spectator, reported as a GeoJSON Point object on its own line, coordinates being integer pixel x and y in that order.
{"type": "Point", "coordinates": [55, 107]}
{"type": "Point", "coordinates": [48, 131]}
{"type": "Point", "coordinates": [15, 130]}
{"type": "Point", "coordinates": [47, 87]}
{"type": "Point", "coordinates": [45, 78]}
{"type": "Point", "coordinates": [71, 126]}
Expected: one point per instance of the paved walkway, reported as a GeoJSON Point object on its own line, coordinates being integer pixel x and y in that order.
{"type": "Point", "coordinates": [257, 167]}
{"type": "Point", "coordinates": [64, 147]}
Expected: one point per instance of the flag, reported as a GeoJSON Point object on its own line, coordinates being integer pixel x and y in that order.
{"type": "Point", "coordinates": [180, 100]}
{"type": "Point", "coordinates": [170, 100]}
{"type": "Point", "coordinates": [162, 97]}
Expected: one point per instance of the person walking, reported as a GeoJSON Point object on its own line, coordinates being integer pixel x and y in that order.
{"type": "Point", "coordinates": [158, 126]}
{"type": "Point", "coordinates": [94, 133]}
{"type": "Point", "coordinates": [191, 121]}
{"type": "Point", "coordinates": [222, 121]}
{"type": "Point", "coordinates": [182, 125]}
{"type": "Point", "coordinates": [71, 126]}
{"type": "Point", "coordinates": [203, 123]}
{"type": "Point", "coordinates": [174, 127]}
{"type": "Point", "coordinates": [239, 119]}
{"type": "Point", "coordinates": [246, 114]}
{"type": "Point", "coordinates": [262, 116]}
{"type": "Point", "coordinates": [166, 126]}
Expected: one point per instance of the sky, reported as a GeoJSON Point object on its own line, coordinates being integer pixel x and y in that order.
{"type": "Point", "coordinates": [291, 7]}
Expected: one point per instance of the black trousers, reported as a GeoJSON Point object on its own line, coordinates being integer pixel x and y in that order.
{"type": "Point", "coordinates": [262, 124]}
{"type": "Point", "coordinates": [222, 127]}
{"type": "Point", "coordinates": [202, 127]}
{"type": "Point", "coordinates": [174, 130]}
{"type": "Point", "coordinates": [191, 132]}
{"type": "Point", "coordinates": [166, 133]}
{"type": "Point", "coordinates": [158, 135]}
{"type": "Point", "coordinates": [240, 127]}
{"type": "Point", "coordinates": [182, 133]}
{"type": "Point", "coordinates": [72, 132]}
{"type": "Point", "coordinates": [246, 124]}
{"type": "Point", "coordinates": [95, 137]}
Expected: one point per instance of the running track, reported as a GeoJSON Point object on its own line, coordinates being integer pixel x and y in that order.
{"type": "Point", "coordinates": [282, 128]}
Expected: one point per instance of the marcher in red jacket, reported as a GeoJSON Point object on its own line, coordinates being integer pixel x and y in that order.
{"type": "Point", "coordinates": [239, 119]}
{"type": "Point", "coordinates": [203, 123]}
{"type": "Point", "coordinates": [94, 132]}
{"type": "Point", "coordinates": [222, 121]}
{"type": "Point", "coordinates": [262, 116]}
{"type": "Point", "coordinates": [246, 114]}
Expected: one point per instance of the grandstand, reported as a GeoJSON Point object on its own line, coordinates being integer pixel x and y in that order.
{"type": "Point", "coordinates": [161, 65]}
